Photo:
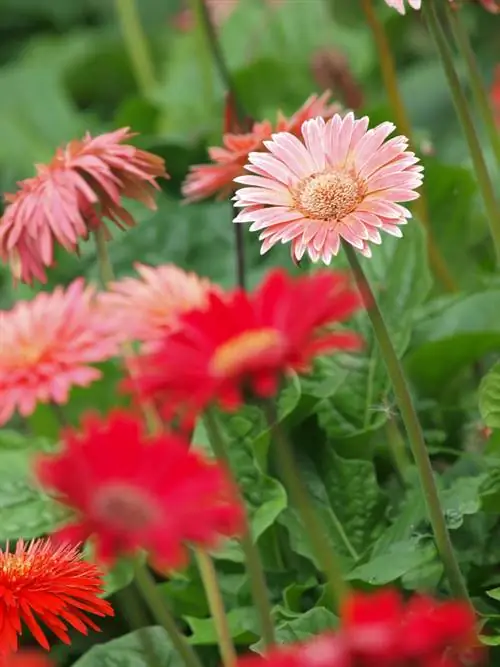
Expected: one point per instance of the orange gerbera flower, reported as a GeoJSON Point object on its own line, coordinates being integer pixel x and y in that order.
{"type": "Point", "coordinates": [42, 583]}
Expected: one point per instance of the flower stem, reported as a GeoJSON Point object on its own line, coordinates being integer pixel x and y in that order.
{"type": "Point", "coordinates": [136, 44]}
{"type": "Point", "coordinates": [390, 79]}
{"type": "Point", "coordinates": [475, 79]}
{"type": "Point", "coordinates": [397, 447]}
{"type": "Point", "coordinates": [464, 114]}
{"type": "Point", "coordinates": [133, 610]}
{"type": "Point", "coordinates": [217, 610]}
{"type": "Point", "coordinates": [311, 523]}
{"type": "Point", "coordinates": [252, 557]}
{"type": "Point", "coordinates": [147, 586]}
{"type": "Point", "coordinates": [413, 428]}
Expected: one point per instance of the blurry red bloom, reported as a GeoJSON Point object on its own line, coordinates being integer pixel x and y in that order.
{"type": "Point", "coordinates": [25, 658]}
{"type": "Point", "coordinates": [49, 345]}
{"type": "Point", "coordinates": [248, 340]}
{"type": "Point", "coordinates": [133, 492]}
{"type": "Point", "coordinates": [228, 162]}
{"type": "Point", "coordinates": [325, 650]}
{"type": "Point", "coordinates": [83, 184]}
{"type": "Point", "coordinates": [42, 583]}
{"type": "Point", "coordinates": [495, 96]}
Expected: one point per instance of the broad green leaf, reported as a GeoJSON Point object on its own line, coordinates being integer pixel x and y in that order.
{"type": "Point", "coordinates": [359, 385]}
{"type": "Point", "coordinates": [309, 624]}
{"type": "Point", "coordinates": [243, 626]}
{"type": "Point", "coordinates": [489, 397]}
{"type": "Point", "coordinates": [25, 510]}
{"type": "Point", "coordinates": [348, 499]}
{"type": "Point", "coordinates": [128, 651]}
{"type": "Point", "coordinates": [452, 333]}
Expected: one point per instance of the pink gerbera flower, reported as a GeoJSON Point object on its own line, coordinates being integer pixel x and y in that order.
{"type": "Point", "coordinates": [399, 5]}
{"type": "Point", "coordinates": [146, 308]}
{"type": "Point", "coordinates": [228, 162]}
{"type": "Point", "coordinates": [343, 182]}
{"type": "Point", "coordinates": [83, 184]}
{"type": "Point", "coordinates": [47, 345]}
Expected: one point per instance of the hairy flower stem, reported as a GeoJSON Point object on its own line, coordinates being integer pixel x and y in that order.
{"type": "Point", "coordinates": [464, 114]}
{"type": "Point", "coordinates": [136, 44]}
{"type": "Point", "coordinates": [413, 428]}
{"type": "Point", "coordinates": [312, 525]}
{"type": "Point", "coordinates": [205, 22]}
{"type": "Point", "coordinates": [217, 610]}
{"type": "Point", "coordinates": [252, 557]}
{"type": "Point", "coordinates": [476, 83]}
{"type": "Point", "coordinates": [389, 76]}
{"type": "Point", "coordinates": [153, 599]}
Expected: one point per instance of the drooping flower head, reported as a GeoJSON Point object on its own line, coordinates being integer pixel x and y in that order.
{"type": "Point", "coordinates": [48, 345]}
{"type": "Point", "coordinates": [131, 491]}
{"type": "Point", "coordinates": [45, 584]}
{"type": "Point", "coordinates": [244, 340]}
{"type": "Point", "coordinates": [148, 307]}
{"type": "Point", "coordinates": [342, 182]}
{"type": "Point", "coordinates": [84, 183]}
{"type": "Point", "coordinates": [228, 162]}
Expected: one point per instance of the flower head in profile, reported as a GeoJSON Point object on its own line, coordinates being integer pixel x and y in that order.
{"type": "Point", "coordinates": [48, 345]}
{"type": "Point", "coordinates": [249, 341]}
{"type": "Point", "coordinates": [148, 307]}
{"type": "Point", "coordinates": [83, 184]}
{"type": "Point", "coordinates": [46, 584]}
{"type": "Point", "coordinates": [228, 162]}
{"type": "Point", "coordinates": [131, 491]}
{"type": "Point", "coordinates": [341, 182]}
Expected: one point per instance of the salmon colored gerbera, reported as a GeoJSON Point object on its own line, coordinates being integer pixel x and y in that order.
{"type": "Point", "coordinates": [47, 345]}
{"type": "Point", "coordinates": [146, 308]}
{"type": "Point", "coordinates": [248, 341]}
{"type": "Point", "coordinates": [205, 180]}
{"type": "Point", "coordinates": [132, 491]}
{"type": "Point", "coordinates": [83, 184]}
{"type": "Point", "coordinates": [342, 182]}
{"type": "Point", "coordinates": [42, 583]}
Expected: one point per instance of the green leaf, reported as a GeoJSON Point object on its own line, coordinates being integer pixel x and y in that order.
{"type": "Point", "coordinates": [128, 651]}
{"type": "Point", "coordinates": [452, 333]}
{"type": "Point", "coordinates": [347, 498]}
{"type": "Point", "coordinates": [309, 624]}
{"type": "Point", "coordinates": [489, 397]}
{"type": "Point", "coordinates": [243, 626]}
{"type": "Point", "coordinates": [25, 510]}
{"type": "Point", "coordinates": [359, 385]}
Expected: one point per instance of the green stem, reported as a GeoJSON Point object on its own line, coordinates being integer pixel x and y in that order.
{"type": "Point", "coordinates": [475, 79]}
{"type": "Point", "coordinates": [133, 611]}
{"type": "Point", "coordinates": [149, 591]}
{"type": "Point", "coordinates": [205, 53]}
{"type": "Point", "coordinates": [463, 112]}
{"type": "Point", "coordinates": [252, 557]}
{"type": "Point", "coordinates": [311, 523]}
{"type": "Point", "coordinates": [136, 44]}
{"type": "Point", "coordinates": [391, 85]}
{"type": "Point", "coordinates": [413, 428]}
{"type": "Point", "coordinates": [217, 610]}
{"type": "Point", "coordinates": [397, 447]}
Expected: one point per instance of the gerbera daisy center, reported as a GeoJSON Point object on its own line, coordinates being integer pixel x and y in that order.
{"type": "Point", "coordinates": [125, 507]}
{"type": "Point", "coordinates": [329, 195]}
{"type": "Point", "coordinates": [239, 352]}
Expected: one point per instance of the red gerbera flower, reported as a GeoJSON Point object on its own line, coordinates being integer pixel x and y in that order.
{"type": "Point", "coordinates": [25, 658]}
{"type": "Point", "coordinates": [133, 492]}
{"type": "Point", "coordinates": [250, 340]}
{"type": "Point", "coordinates": [42, 583]}
{"type": "Point", "coordinates": [83, 184]}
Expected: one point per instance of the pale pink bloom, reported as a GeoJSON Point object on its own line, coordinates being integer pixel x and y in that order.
{"type": "Point", "coordinates": [399, 5]}
{"type": "Point", "coordinates": [47, 346]}
{"type": "Point", "coordinates": [146, 308]}
{"type": "Point", "coordinates": [228, 162]}
{"type": "Point", "coordinates": [84, 183]}
{"type": "Point", "coordinates": [343, 182]}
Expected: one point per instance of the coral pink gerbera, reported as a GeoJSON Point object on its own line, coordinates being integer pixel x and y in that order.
{"type": "Point", "coordinates": [44, 583]}
{"type": "Point", "coordinates": [343, 182]}
{"type": "Point", "coordinates": [148, 307]}
{"type": "Point", "coordinates": [132, 491]}
{"type": "Point", "coordinates": [248, 340]}
{"type": "Point", "coordinates": [47, 345]}
{"type": "Point", "coordinates": [206, 180]}
{"type": "Point", "coordinates": [83, 184]}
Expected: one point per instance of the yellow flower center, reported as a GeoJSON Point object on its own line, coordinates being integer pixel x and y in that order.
{"type": "Point", "coordinates": [328, 196]}
{"type": "Point", "coordinates": [238, 353]}
{"type": "Point", "coordinates": [125, 507]}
